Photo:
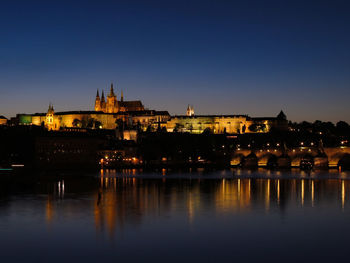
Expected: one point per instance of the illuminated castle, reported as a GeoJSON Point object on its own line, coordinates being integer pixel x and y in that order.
{"type": "Point", "coordinates": [112, 105]}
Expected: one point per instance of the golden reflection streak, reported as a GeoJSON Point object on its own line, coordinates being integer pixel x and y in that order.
{"type": "Point", "coordinates": [190, 208]}
{"type": "Point", "coordinates": [342, 194]}
{"type": "Point", "coordinates": [302, 192]}
{"type": "Point", "coordinates": [249, 189]}
{"type": "Point", "coordinates": [239, 189]}
{"type": "Point", "coordinates": [267, 195]}
{"type": "Point", "coordinates": [49, 210]}
{"type": "Point", "coordinates": [278, 191]}
{"type": "Point", "coordinates": [312, 193]}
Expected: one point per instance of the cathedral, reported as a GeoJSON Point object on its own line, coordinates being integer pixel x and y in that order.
{"type": "Point", "coordinates": [112, 105]}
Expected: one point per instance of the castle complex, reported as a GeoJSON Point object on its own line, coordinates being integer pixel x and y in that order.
{"type": "Point", "coordinates": [112, 112]}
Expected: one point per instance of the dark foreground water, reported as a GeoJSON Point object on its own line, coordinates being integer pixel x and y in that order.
{"type": "Point", "coordinates": [164, 216]}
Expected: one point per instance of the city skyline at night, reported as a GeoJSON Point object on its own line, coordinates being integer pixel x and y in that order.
{"type": "Point", "coordinates": [222, 57]}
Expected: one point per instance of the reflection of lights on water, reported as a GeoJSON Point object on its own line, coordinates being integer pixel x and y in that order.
{"type": "Point", "coordinates": [302, 192]}
{"type": "Point", "coordinates": [267, 195]}
{"type": "Point", "coordinates": [278, 190]}
{"type": "Point", "coordinates": [249, 189]}
{"type": "Point", "coordinates": [312, 193]}
{"type": "Point", "coordinates": [60, 187]}
{"type": "Point", "coordinates": [342, 194]}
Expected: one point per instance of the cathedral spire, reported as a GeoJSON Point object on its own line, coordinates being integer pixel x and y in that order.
{"type": "Point", "coordinates": [103, 96]}
{"type": "Point", "coordinates": [112, 91]}
{"type": "Point", "coordinates": [97, 95]}
{"type": "Point", "coordinates": [121, 96]}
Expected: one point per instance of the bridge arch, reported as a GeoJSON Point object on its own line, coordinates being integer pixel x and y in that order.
{"type": "Point", "coordinates": [237, 159]}
{"type": "Point", "coordinates": [267, 160]}
{"type": "Point", "coordinates": [299, 158]}
{"type": "Point", "coordinates": [344, 161]}
{"type": "Point", "coordinates": [251, 160]}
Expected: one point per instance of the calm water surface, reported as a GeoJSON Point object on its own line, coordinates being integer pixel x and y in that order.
{"type": "Point", "coordinates": [172, 216]}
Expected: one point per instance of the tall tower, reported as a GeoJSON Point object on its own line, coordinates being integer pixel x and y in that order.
{"type": "Point", "coordinates": [103, 102]}
{"type": "Point", "coordinates": [50, 118]}
{"type": "Point", "coordinates": [121, 96]}
{"type": "Point", "coordinates": [190, 111]}
{"type": "Point", "coordinates": [112, 106]}
{"type": "Point", "coordinates": [97, 102]}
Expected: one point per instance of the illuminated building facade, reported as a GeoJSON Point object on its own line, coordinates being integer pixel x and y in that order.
{"type": "Point", "coordinates": [109, 113]}
{"type": "Point", "coordinates": [219, 124]}
{"type": "Point", "coordinates": [106, 115]}
{"type": "Point", "coordinates": [190, 111]}
{"type": "Point", "coordinates": [112, 105]}
{"type": "Point", "coordinates": [3, 120]}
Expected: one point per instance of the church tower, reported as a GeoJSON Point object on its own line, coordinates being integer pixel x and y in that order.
{"type": "Point", "coordinates": [103, 102]}
{"type": "Point", "coordinates": [49, 122]}
{"type": "Point", "coordinates": [97, 102]}
{"type": "Point", "coordinates": [112, 105]}
{"type": "Point", "coordinates": [190, 111]}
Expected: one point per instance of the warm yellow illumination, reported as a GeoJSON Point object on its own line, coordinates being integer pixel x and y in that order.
{"type": "Point", "coordinates": [302, 192]}
{"type": "Point", "coordinates": [342, 194]}
{"type": "Point", "coordinates": [312, 193]}
{"type": "Point", "coordinates": [278, 191]}
{"type": "Point", "coordinates": [267, 195]}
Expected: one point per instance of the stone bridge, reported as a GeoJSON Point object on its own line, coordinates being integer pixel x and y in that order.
{"type": "Point", "coordinates": [331, 157]}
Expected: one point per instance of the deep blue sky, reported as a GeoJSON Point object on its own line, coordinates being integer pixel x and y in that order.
{"type": "Point", "coordinates": [229, 57]}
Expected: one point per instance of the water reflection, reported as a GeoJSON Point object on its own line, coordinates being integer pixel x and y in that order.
{"type": "Point", "coordinates": [133, 206]}
{"type": "Point", "coordinates": [116, 201]}
{"type": "Point", "coordinates": [127, 200]}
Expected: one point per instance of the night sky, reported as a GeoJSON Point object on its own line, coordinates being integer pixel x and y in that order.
{"type": "Point", "coordinates": [224, 57]}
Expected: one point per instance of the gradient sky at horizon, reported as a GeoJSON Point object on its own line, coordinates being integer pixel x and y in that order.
{"type": "Point", "coordinates": [224, 57]}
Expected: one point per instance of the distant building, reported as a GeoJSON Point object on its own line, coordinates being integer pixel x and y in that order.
{"type": "Point", "coordinates": [190, 110]}
{"type": "Point", "coordinates": [3, 120]}
{"type": "Point", "coordinates": [219, 124]}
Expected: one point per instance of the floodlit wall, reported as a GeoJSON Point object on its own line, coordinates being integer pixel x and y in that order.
{"type": "Point", "coordinates": [217, 124]}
